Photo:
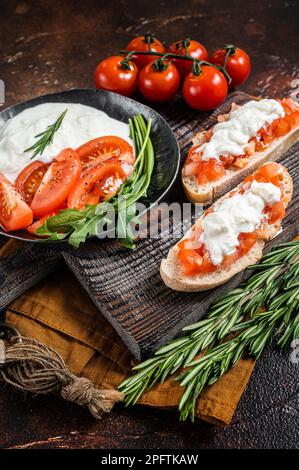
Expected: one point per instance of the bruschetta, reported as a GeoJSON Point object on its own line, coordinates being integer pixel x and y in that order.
{"type": "Point", "coordinates": [232, 233]}
{"type": "Point", "coordinates": [244, 139]}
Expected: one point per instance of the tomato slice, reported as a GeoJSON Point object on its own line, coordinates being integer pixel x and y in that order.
{"type": "Point", "coordinates": [57, 183]}
{"type": "Point", "coordinates": [15, 213]}
{"type": "Point", "coordinates": [104, 148]}
{"type": "Point", "coordinates": [30, 178]}
{"type": "Point", "coordinates": [100, 182]}
{"type": "Point", "coordinates": [40, 222]}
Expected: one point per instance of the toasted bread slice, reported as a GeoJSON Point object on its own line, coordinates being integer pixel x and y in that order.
{"type": "Point", "coordinates": [207, 193]}
{"type": "Point", "coordinates": [174, 278]}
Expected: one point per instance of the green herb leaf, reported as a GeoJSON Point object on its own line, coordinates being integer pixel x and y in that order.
{"type": "Point", "coordinates": [77, 225]}
{"type": "Point", "coordinates": [46, 137]}
{"type": "Point", "coordinates": [274, 286]}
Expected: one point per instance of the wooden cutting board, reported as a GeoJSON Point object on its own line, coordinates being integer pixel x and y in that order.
{"type": "Point", "coordinates": [126, 285]}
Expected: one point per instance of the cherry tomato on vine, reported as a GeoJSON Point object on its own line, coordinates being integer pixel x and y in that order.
{"type": "Point", "coordinates": [159, 85]}
{"type": "Point", "coordinates": [237, 66]}
{"type": "Point", "coordinates": [143, 44]}
{"type": "Point", "coordinates": [117, 74]}
{"type": "Point", "coordinates": [190, 47]}
{"type": "Point", "coordinates": [205, 91]}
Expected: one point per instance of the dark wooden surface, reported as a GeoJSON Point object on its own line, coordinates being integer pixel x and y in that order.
{"type": "Point", "coordinates": [142, 309]}
{"type": "Point", "coordinates": [47, 47]}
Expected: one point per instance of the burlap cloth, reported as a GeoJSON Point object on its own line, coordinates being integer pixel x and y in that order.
{"type": "Point", "coordinates": [59, 313]}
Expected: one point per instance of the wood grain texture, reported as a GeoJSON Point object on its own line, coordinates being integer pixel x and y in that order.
{"type": "Point", "coordinates": [25, 268]}
{"type": "Point", "coordinates": [52, 46]}
{"type": "Point", "coordinates": [127, 287]}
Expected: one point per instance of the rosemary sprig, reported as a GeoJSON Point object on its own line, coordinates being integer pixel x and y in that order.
{"type": "Point", "coordinates": [274, 286]}
{"type": "Point", "coordinates": [78, 225]}
{"type": "Point", "coordinates": [255, 334]}
{"type": "Point", "coordinates": [46, 137]}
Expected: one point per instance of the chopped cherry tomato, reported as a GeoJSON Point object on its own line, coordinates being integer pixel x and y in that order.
{"type": "Point", "coordinates": [293, 119]}
{"type": "Point", "coordinates": [269, 170]}
{"type": "Point", "coordinates": [100, 182]}
{"type": "Point", "coordinates": [116, 74]}
{"type": "Point", "coordinates": [216, 169]}
{"type": "Point", "coordinates": [195, 166]}
{"type": "Point", "coordinates": [57, 183]}
{"type": "Point", "coordinates": [227, 160]}
{"type": "Point", "coordinates": [190, 261]}
{"type": "Point", "coordinates": [282, 128]}
{"type": "Point", "coordinates": [275, 212]}
{"type": "Point", "coordinates": [195, 259]}
{"type": "Point", "coordinates": [104, 148]}
{"type": "Point", "coordinates": [202, 175]}
{"type": "Point", "coordinates": [210, 170]}
{"type": "Point", "coordinates": [289, 105]}
{"type": "Point", "coordinates": [207, 265]}
{"type": "Point", "coordinates": [191, 48]}
{"type": "Point", "coordinates": [246, 241]}
{"type": "Point", "coordinates": [142, 44]}
{"type": "Point", "coordinates": [15, 214]}
{"type": "Point", "coordinates": [29, 179]}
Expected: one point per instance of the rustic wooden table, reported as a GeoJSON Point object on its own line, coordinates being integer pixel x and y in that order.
{"type": "Point", "coordinates": [55, 45]}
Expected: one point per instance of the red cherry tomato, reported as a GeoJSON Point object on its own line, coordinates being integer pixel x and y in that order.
{"type": "Point", "coordinates": [14, 212]}
{"type": "Point", "coordinates": [159, 85]}
{"type": "Point", "coordinates": [29, 179]}
{"type": "Point", "coordinates": [104, 148]}
{"type": "Point", "coordinates": [40, 222]}
{"type": "Point", "coordinates": [205, 91]}
{"type": "Point", "coordinates": [56, 184]}
{"type": "Point", "coordinates": [116, 74]}
{"type": "Point", "coordinates": [193, 49]}
{"type": "Point", "coordinates": [237, 66]}
{"type": "Point", "coordinates": [143, 44]}
{"type": "Point", "coordinates": [100, 182]}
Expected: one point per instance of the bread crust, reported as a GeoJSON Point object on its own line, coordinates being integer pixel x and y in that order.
{"type": "Point", "coordinates": [207, 193]}
{"type": "Point", "coordinates": [174, 278]}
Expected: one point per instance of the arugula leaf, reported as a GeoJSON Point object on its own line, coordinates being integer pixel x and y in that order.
{"type": "Point", "coordinates": [124, 230]}
{"type": "Point", "coordinates": [77, 225]}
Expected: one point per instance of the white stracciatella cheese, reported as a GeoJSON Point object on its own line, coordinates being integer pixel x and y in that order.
{"type": "Point", "coordinates": [232, 136]}
{"type": "Point", "coordinates": [80, 124]}
{"type": "Point", "coordinates": [241, 213]}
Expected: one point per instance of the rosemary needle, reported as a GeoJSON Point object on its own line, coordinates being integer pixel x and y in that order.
{"type": "Point", "coordinates": [46, 137]}
{"type": "Point", "coordinates": [78, 225]}
{"type": "Point", "coordinates": [274, 286]}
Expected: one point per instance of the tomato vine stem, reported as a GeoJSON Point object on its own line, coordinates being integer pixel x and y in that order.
{"type": "Point", "coordinates": [170, 55]}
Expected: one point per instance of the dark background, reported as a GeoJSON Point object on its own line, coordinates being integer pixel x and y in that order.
{"type": "Point", "coordinates": [49, 46]}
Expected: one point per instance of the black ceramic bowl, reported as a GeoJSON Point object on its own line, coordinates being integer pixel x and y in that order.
{"type": "Point", "coordinates": [167, 154]}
